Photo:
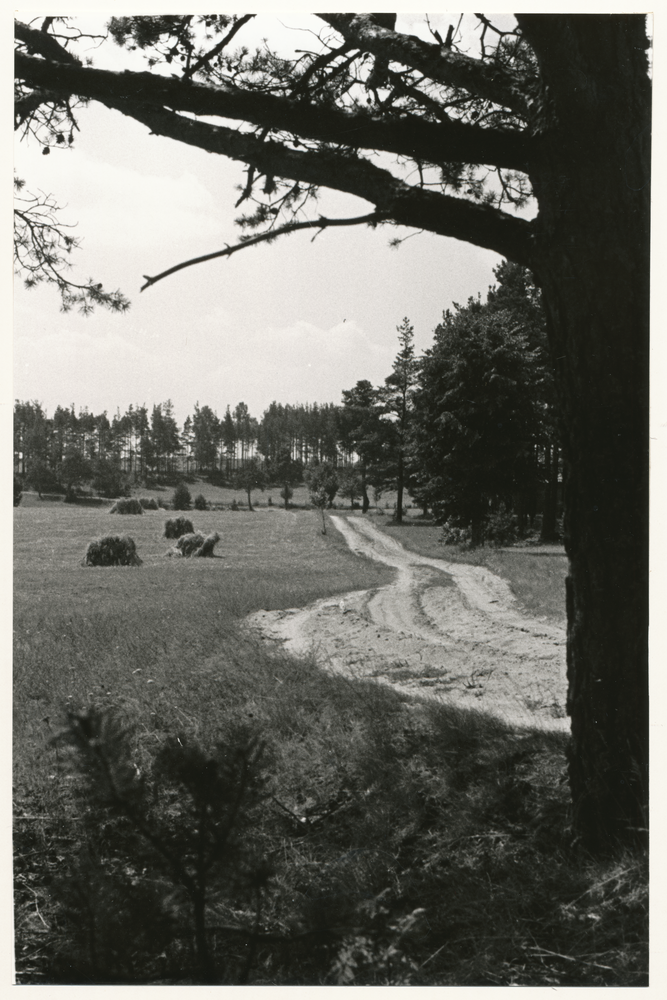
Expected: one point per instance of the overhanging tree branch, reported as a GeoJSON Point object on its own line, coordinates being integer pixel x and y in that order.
{"type": "Point", "coordinates": [292, 227]}
{"type": "Point", "coordinates": [42, 246]}
{"type": "Point", "coordinates": [43, 43]}
{"type": "Point", "coordinates": [217, 49]}
{"type": "Point", "coordinates": [397, 201]}
{"type": "Point", "coordinates": [410, 136]}
{"type": "Point", "coordinates": [26, 104]}
{"type": "Point", "coordinates": [487, 80]}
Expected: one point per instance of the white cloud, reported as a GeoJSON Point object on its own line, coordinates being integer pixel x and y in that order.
{"type": "Point", "coordinates": [117, 207]}
{"type": "Point", "coordinates": [297, 363]}
{"type": "Point", "coordinates": [105, 366]}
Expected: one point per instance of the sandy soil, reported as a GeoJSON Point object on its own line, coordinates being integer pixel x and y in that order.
{"type": "Point", "coordinates": [443, 630]}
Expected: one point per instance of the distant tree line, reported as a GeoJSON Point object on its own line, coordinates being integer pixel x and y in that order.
{"type": "Point", "coordinates": [468, 430]}
{"type": "Point", "coordinates": [70, 448]}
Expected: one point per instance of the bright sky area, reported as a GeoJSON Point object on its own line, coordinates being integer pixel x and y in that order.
{"type": "Point", "coordinates": [295, 321]}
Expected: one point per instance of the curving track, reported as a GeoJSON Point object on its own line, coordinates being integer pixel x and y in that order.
{"type": "Point", "coordinates": [445, 630]}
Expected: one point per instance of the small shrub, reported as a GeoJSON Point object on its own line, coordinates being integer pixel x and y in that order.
{"type": "Point", "coordinates": [188, 544]}
{"type": "Point", "coordinates": [177, 526]}
{"type": "Point", "coordinates": [149, 503]}
{"type": "Point", "coordinates": [233, 505]}
{"type": "Point", "coordinates": [128, 505]}
{"type": "Point", "coordinates": [181, 500]}
{"type": "Point", "coordinates": [270, 503]}
{"type": "Point", "coordinates": [112, 550]}
{"type": "Point", "coordinates": [18, 491]}
{"type": "Point", "coordinates": [181, 827]}
{"type": "Point", "coordinates": [501, 527]}
{"type": "Point", "coordinates": [200, 502]}
{"type": "Point", "coordinates": [453, 534]}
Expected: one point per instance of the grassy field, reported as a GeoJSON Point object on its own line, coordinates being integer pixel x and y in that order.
{"type": "Point", "coordinates": [82, 631]}
{"type": "Point", "coordinates": [386, 840]}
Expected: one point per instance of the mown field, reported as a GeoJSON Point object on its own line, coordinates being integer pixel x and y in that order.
{"type": "Point", "coordinates": [80, 632]}
{"type": "Point", "coordinates": [355, 836]}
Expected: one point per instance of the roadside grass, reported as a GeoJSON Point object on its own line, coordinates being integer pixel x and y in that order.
{"type": "Point", "coordinates": [536, 574]}
{"type": "Point", "coordinates": [425, 844]}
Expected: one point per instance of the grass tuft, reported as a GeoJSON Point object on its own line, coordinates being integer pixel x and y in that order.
{"type": "Point", "coordinates": [408, 842]}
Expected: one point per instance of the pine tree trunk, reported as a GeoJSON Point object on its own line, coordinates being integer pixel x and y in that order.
{"type": "Point", "coordinates": [399, 489]}
{"type": "Point", "coordinates": [593, 265]}
{"type": "Point", "coordinates": [476, 531]}
{"type": "Point", "coordinates": [548, 533]}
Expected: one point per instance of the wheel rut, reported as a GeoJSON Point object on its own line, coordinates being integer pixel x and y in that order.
{"type": "Point", "coordinates": [442, 630]}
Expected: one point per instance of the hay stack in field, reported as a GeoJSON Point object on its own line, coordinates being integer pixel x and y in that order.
{"type": "Point", "coordinates": [188, 544]}
{"type": "Point", "coordinates": [177, 526]}
{"type": "Point", "coordinates": [112, 550]}
{"type": "Point", "coordinates": [128, 505]}
{"type": "Point", "coordinates": [206, 548]}
{"type": "Point", "coordinates": [149, 503]}
{"type": "Point", "coordinates": [195, 545]}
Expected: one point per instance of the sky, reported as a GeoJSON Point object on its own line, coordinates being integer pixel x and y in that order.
{"type": "Point", "coordinates": [296, 321]}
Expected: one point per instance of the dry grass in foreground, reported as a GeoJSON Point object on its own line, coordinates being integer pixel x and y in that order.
{"type": "Point", "coordinates": [378, 839]}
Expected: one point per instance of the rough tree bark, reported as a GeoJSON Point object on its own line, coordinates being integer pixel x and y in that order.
{"type": "Point", "coordinates": [548, 532]}
{"type": "Point", "coordinates": [592, 260]}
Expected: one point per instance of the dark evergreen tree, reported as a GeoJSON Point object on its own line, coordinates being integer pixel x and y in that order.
{"type": "Point", "coordinates": [246, 429]}
{"type": "Point", "coordinates": [285, 471]}
{"type": "Point", "coordinates": [165, 438]}
{"type": "Point", "coordinates": [350, 484]}
{"type": "Point", "coordinates": [206, 434]}
{"type": "Point", "coordinates": [228, 437]}
{"type": "Point", "coordinates": [182, 499]}
{"type": "Point", "coordinates": [74, 471]}
{"type": "Point", "coordinates": [41, 476]}
{"type": "Point", "coordinates": [31, 433]}
{"type": "Point", "coordinates": [108, 478]}
{"type": "Point", "coordinates": [397, 395]}
{"type": "Point", "coordinates": [517, 293]}
{"type": "Point", "coordinates": [474, 416]}
{"type": "Point", "coordinates": [362, 431]}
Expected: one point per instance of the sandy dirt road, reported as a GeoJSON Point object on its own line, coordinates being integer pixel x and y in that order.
{"type": "Point", "coordinates": [443, 630]}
